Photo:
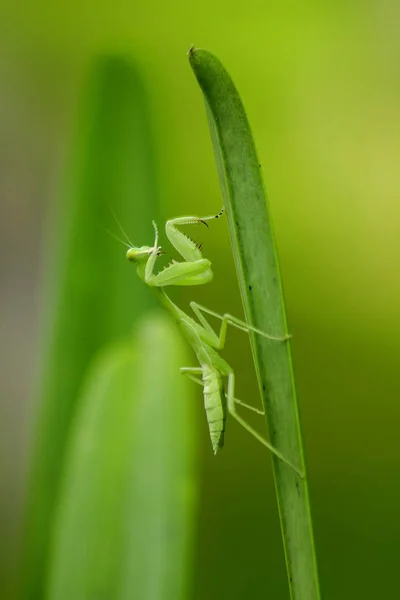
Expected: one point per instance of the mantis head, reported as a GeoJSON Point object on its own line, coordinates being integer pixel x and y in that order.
{"type": "Point", "coordinates": [142, 254]}
{"type": "Point", "coordinates": [138, 255]}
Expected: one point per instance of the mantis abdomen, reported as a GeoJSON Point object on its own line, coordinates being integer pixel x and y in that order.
{"type": "Point", "coordinates": [215, 405]}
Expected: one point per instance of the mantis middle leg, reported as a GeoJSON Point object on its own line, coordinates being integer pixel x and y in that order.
{"type": "Point", "coordinates": [218, 340]}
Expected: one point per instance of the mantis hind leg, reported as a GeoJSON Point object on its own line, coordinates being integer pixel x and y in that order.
{"type": "Point", "coordinates": [248, 406]}
{"type": "Point", "coordinates": [254, 433]}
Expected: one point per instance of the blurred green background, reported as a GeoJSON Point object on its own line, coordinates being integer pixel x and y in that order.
{"type": "Point", "coordinates": [322, 90]}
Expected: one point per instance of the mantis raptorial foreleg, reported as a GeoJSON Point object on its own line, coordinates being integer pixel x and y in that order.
{"type": "Point", "coordinates": [195, 271]}
{"type": "Point", "coordinates": [186, 247]}
{"type": "Point", "coordinates": [176, 273]}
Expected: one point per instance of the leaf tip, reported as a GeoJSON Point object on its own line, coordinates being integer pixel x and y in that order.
{"type": "Point", "coordinates": [195, 53]}
{"type": "Point", "coordinates": [191, 51]}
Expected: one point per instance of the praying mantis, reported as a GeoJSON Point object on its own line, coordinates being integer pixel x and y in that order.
{"type": "Point", "coordinates": [204, 341]}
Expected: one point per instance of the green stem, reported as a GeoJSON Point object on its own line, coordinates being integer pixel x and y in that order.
{"type": "Point", "coordinates": [257, 267]}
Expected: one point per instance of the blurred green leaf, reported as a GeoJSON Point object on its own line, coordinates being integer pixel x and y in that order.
{"type": "Point", "coordinates": [92, 295]}
{"type": "Point", "coordinates": [125, 520]}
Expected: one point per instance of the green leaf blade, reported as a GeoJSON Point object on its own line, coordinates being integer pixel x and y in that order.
{"type": "Point", "coordinates": [256, 260]}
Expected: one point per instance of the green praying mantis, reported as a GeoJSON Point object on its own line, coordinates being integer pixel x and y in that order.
{"type": "Point", "coordinates": [205, 342]}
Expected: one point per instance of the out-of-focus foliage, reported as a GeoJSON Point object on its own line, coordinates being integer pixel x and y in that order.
{"type": "Point", "coordinates": [87, 303]}
{"type": "Point", "coordinates": [321, 87]}
{"type": "Point", "coordinates": [107, 503]}
{"type": "Point", "coordinates": [124, 521]}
